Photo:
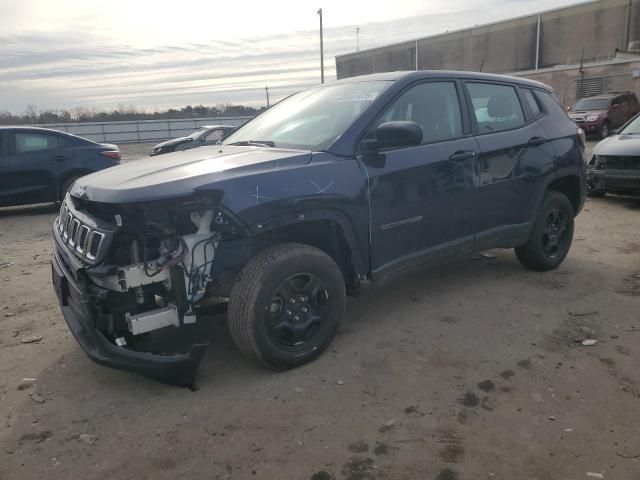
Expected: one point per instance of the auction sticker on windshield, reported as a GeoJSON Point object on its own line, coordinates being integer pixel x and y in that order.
{"type": "Point", "coordinates": [357, 97]}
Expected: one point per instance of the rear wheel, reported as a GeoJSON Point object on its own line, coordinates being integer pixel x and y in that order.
{"type": "Point", "coordinates": [286, 306]}
{"type": "Point", "coordinates": [551, 236]}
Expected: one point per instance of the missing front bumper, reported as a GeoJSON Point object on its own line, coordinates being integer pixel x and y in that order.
{"type": "Point", "coordinates": [624, 181]}
{"type": "Point", "coordinates": [175, 369]}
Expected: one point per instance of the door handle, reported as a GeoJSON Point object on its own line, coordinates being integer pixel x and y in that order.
{"type": "Point", "coordinates": [462, 156]}
{"type": "Point", "coordinates": [537, 141]}
{"type": "Point", "coordinates": [59, 158]}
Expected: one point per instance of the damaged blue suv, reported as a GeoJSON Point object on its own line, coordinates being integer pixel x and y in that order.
{"type": "Point", "coordinates": [331, 189]}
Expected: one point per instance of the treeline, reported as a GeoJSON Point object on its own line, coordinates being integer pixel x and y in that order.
{"type": "Point", "coordinates": [33, 115]}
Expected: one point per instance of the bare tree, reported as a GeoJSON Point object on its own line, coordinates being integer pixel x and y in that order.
{"type": "Point", "coordinates": [31, 113]}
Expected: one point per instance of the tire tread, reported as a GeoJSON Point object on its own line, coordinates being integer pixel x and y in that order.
{"type": "Point", "coordinates": [246, 289]}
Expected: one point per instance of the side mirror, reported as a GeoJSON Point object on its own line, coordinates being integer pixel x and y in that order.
{"type": "Point", "coordinates": [398, 134]}
{"type": "Point", "coordinates": [615, 106]}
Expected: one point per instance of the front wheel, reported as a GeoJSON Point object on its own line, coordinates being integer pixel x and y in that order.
{"type": "Point", "coordinates": [604, 130]}
{"type": "Point", "coordinates": [66, 186]}
{"type": "Point", "coordinates": [551, 236]}
{"type": "Point", "coordinates": [286, 305]}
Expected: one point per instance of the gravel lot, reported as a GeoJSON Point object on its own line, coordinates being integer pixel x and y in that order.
{"type": "Point", "coordinates": [469, 371]}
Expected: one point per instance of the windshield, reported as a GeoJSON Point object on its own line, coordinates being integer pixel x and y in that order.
{"type": "Point", "coordinates": [197, 133]}
{"type": "Point", "coordinates": [633, 128]}
{"type": "Point", "coordinates": [592, 104]}
{"type": "Point", "coordinates": [309, 120]}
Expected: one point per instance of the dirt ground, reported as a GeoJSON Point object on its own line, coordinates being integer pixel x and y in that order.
{"type": "Point", "coordinates": [473, 370]}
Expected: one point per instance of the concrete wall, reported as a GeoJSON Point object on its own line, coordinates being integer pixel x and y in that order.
{"type": "Point", "coordinates": [482, 48]}
{"type": "Point", "coordinates": [619, 76]}
{"type": "Point", "coordinates": [601, 27]}
{"type": "Point", "coordinates": [140, 131]}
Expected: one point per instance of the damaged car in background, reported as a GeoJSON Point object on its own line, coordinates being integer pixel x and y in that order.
{"type": "Point", "coordinates": [331, 189]}
{"type": "Point", "coordinates": [615, 164]}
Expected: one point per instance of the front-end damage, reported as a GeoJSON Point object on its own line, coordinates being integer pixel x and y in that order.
{"type": "Point", "coordinates": [131, 279]}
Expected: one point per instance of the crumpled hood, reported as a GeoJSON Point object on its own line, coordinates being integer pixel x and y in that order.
{"type": "Point", "coordinates": [179, 174]}
{"type": "Point", "coordinates": [619, 145]}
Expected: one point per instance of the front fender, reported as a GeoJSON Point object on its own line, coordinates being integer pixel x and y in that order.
{"type": "Point", "coordinates": [279, 195]}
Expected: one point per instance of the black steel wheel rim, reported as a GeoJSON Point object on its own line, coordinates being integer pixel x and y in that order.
{"type": "Point", "coordinates": [296, 311]}
{"type": "Point", "coordinates": [555, 234]}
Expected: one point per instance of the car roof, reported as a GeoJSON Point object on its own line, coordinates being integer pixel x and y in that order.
{"type": "Point", "coordinates": [43, 130]}
{"type": "Point", "coordinates": [429, 74]}
{"type": "Point", "coordinates": [609, 95]}
{"type": "Point", "coordinates": [33, 129]}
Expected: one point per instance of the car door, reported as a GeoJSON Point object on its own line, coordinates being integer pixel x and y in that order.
{"type": "Point", "coordinates": [421, 197]}
{"type": "Point", "coordinates": [514, 154]}
{"type": "Point", "coordinates": [37, 160]}
{"type": "Point", "coordinates": [4, 164]}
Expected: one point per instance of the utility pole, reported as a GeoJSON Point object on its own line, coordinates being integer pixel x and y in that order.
{"type": "Point", "coordinates": [266, 90]}
{"type": "Point", "coordinates": [357, 39]}
{"type": "Point", "coordinates": [321, 49]}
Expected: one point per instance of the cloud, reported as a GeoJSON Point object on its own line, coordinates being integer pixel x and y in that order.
{"type": "Point", "coordinates": [79, 65]}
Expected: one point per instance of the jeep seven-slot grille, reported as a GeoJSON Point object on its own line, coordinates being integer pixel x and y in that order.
{"type": "Point", "coordinates": [81, 238]}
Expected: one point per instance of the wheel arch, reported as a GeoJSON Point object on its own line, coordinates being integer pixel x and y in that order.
{"type": "Point", "coordinates": [68, 174]}
{"type": "Point", "coordinates": [572, 187]}
{"type": "Point", "coordinates": [331, 234]}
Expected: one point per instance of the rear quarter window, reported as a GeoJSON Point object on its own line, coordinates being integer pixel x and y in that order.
{"type": "Point", "coordinates": [550, 104]}
{"type": "Point", "coordinates": [531, 102]}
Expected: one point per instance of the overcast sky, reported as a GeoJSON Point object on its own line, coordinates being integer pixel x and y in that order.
{"type": "Point", "coordinates": [159, 54]}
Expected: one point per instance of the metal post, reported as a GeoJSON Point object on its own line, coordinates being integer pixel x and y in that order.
{"type": "Point", "coordinates": [321, 49]}
{"type": "Point", "coordinates": [266, 90]}
{"type": "Point", "coordinates": [538, 42]}
{"type": "Point", "coordinates": [357, 39]}
{"type": "Point", "coordinates": [416, 55]}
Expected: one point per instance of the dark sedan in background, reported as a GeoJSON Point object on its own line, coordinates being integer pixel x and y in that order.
{"type": "Point", "coordinates": [615, 164]}
{"type": "Point", "coordinates": [205, 135]}
{"type": "Point", "coordinates": [39, 165]}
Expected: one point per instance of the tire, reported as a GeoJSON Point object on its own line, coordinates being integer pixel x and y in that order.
{"type": "Point", "coordinates": [66, 185]}
{"type": "Point", "coordinates": [605, 130]}
{"type": "Point", "coordinates": [551, 236]}
{"type": "Point", "coordinates": [264, 322]}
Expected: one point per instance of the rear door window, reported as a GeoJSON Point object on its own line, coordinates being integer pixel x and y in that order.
{"type": "Point", "coordinates": [36, 142]}
{"type": "Point", "coordinates": [496, 107]}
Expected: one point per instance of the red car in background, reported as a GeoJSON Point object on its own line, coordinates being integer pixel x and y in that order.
{"type": "Point", "coordinates": [601, 114]}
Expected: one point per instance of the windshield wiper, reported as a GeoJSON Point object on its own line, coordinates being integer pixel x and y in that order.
{"type": "Point", "coordinates": [254, 143]}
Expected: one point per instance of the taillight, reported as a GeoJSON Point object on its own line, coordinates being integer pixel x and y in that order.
{"type": "Point", "coordinates": [112, 154]}
{"type": "Point", "coordinates": [582, 138]}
